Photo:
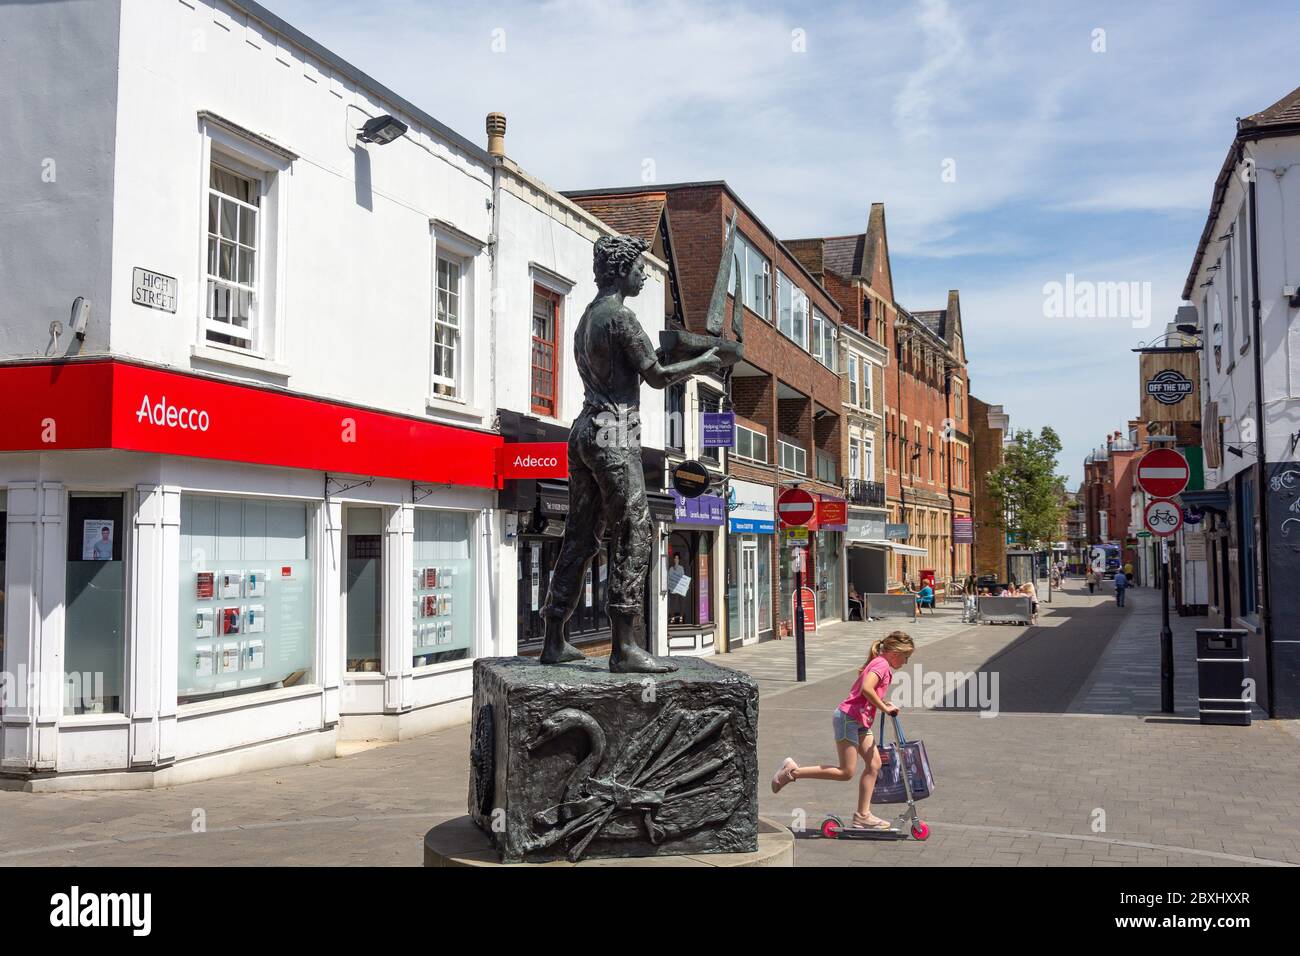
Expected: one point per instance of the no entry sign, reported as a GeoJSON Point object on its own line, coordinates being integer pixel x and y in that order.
{"type": "Point", "coordinates": [1163, 518]}
{"type": "Point", "coordinates": [796, 507]}
{"type": "Point", "coordinates": [1162, 473]}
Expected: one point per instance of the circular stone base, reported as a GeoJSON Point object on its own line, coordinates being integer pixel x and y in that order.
{"type": "Point", "coordinates": [458, 842]}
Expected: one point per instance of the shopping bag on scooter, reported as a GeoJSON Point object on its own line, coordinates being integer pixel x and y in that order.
{"type": "Point", "coordinates": [889, 782]}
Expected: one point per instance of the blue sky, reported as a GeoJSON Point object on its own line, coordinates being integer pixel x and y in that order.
{"type": "Point", "coordinates": [1067, 151]}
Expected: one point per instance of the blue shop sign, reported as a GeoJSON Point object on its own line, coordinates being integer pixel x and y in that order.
{"type": "Point", "coordinates": [718, 430]}
{"type": "Point", "coordinates": [706, 509]}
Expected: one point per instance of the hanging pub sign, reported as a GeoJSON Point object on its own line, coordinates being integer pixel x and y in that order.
{"type": "Point", "coordinates": [691, 479]}
{"type": "Point", "coordinates": [1169, 385]}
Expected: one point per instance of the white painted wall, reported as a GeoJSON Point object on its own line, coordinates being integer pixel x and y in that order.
{"type": "Point", "coordinates": [539, 227]}
{"type": "Point", "coordinates": [1231, 382]}
{"type": "Point", "coordinates": [58, 111]}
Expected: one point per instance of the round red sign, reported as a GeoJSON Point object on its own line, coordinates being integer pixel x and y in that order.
{"type": "Point", "coordinates": [1163, 517]}
{"type": "Point", "coordinates": [796, 507]}
{"type": "Point", "coordinates": [1162, 472]}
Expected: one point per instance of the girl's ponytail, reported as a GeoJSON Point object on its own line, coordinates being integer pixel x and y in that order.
{"type": "Point", "coordinates": [894, 641]}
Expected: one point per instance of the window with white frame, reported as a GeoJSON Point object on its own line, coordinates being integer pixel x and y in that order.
{"type": "Point", "coordinates": [853, 380]}
{"type": "Point", "coordinates": [757, 276]}
{"type": "Point", "coordinates": [793, 457]}
{"type": "Point", "coordinates": [785, 304]}
{"type": "Point", "coordinates": [866, 385]}
{"type": "Point", "coordinates": [750, 444]}
{"type": "Point", "coordinates": [868, 458]}
{"type": "Point", "coordinates": [855, 460]}
{"type": "Point", "coordinates": [447, 324]}
{"type": "Point", "coordinates": [799, 332]}
{"type": "Point", "coordinates": [830, 341]}
{"type": "Point", "coordinates": [817, 339]}
{"type": "Point", "coordinates": [233, 269]}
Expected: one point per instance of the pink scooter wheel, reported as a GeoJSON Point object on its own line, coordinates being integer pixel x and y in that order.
{"type": "Point", "coordinates": [920, 831]}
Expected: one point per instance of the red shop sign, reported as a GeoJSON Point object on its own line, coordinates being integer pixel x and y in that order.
{"type": "Point", "coordinates": [534, 460]}
{"type": "Point", "coordinates": [112, 404]}
{"type": "Point", "coordinates": [832, 514]}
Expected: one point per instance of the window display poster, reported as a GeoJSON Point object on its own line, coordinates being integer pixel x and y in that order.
{"type": "Point", "coordinates": [203, 622]}
{"type": "Point", "coordinates": [256, 586]}
{"type": "Point", "coordinates": [430, 577]}
{"type": "Point", "coordinates": [97, 540]}
{"type": "Point", "coordinates": [254, 655]}
{"type": "Point", "coordinates": [205, 585]}
{"type": "Point", "coordinates": [203, 663]}
{"type": "Point", "coordinates": [229, 621]}
{"type": "Point", "coordinates": [430, 605]}
{"type": "Point", "coordinates": [703, 574]}
{"type": "Point", "coordinates": [255, 619]}
{"type": "Point", "coordinates": [229, 661]}
{"type": "Point", "coordinates": [231, 584]}
{"type": "Point", "coordinates": [537, 573]}
{"type": "Point", "coordinates": [681, 585]}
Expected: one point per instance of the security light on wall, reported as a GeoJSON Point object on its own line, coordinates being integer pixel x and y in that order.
{"type": "Point", "coordinates": [381, 130]}
{"type": "Point", "coordinates": [80, 317]}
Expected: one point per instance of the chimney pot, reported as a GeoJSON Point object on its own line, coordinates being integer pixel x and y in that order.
{"type": "Point", "coordinates": [496, 130]}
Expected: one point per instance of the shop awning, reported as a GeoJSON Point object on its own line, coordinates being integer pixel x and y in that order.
{"type": "Point", "coordinates": [869, 543]}
{"type": "Point", "coordinates": [908, 549]}
{"type": "Point", "coordinates": [1210, 499]}
{"type": "Point", "coordinates": [107, 403]}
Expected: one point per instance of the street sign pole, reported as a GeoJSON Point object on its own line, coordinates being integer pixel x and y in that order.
{"type": "Point", "coordinates": [1166, 635]}
{"type": "Point", "coordinates": [800, 669]}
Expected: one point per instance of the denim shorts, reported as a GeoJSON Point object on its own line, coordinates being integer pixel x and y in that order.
{"type": "Point", "coordinates": [846, 728]}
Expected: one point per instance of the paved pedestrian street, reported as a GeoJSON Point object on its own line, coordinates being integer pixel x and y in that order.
{"type": "Point", "coordinates": [1070, 771]}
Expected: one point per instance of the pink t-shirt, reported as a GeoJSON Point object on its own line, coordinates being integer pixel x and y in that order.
{"type": "Point", "coordinates": [856, 705]}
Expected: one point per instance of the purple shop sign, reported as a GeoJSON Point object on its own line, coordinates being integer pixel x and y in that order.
{"type": "Point", "coordinates": [718, 430]}
{"type": "Point", "coordinates": [706, 509]}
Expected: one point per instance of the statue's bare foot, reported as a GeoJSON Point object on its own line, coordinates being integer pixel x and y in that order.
{"type": "Point", "coordinates": [634, 660]}
{"type": "Point", "coordinates": [560, 653]}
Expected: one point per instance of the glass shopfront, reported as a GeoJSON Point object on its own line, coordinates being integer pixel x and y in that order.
{"type": "Point", "coordinates": [690, 576]}
{"type": "Point", "coordinates": [829, 574]}
{"type": "Point", "coordinates": [363, 587]}
{"type": "Point", "coordinates": [247, 614]}
{"type": "Point", "coordinates": [749, 587]}
{"type": "Point", "coordinates": [443, 595]}
{"type": "Point", "coordinates": [538, 555]}
{"type": "Point", "coordinates": [94, 624]}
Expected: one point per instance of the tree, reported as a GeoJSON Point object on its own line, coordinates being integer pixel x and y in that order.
{"type": "Point", "coordinates": [1026, 490]}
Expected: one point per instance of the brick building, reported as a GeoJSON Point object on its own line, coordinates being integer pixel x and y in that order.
{"type": "Point", "coordinates": [927, 431]}
{"type": "Point", "coordinates": [856, 270]}
{"type": "Point", "coordinates": [990, 429]}
{"type": "Point", "coordinates": [786, 394]}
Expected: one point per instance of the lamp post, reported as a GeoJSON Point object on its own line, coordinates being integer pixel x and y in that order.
{"type": "Point", "coordinates": [1166, 633]}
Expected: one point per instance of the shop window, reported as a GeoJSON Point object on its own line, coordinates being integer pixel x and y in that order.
{"type": "Point", "coordinates": [444, 596]}
{"type": "Point", "coordinates": [545, 364]}
{"type": "Point", "coordinates": [4, 536]}
{"type": "Point", "coordinates": [447, 319]}
{"type": "Point", "coordinates": [363, 531]}
{"type": "Point", "coordinates": [233, 269]}
{"type": "Point", "coordinates": [538, 556]}
{"type": "Point", "coordinates": [94, 624]}
{"type": "Point", "coordinates": [829, 549]}
{"type": "Point", "coordinates": [675, 416]}
{"type": "Point", "coordinates": [1246, 551]}
{"type": "Point", "coordinates": [247, 614]}
{"type": "Point", "coordinates": [690, 572]}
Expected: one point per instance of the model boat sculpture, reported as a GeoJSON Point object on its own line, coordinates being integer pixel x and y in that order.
{"type": "Point", "coordinates": [676, 345]}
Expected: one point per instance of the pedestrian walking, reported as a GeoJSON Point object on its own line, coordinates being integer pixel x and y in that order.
{"type": "Point", "coordinates": [1121, 585]}
{"type": "Point", "coordinates": [1091, 578]}
{"type": "Point", "coordinates": [852, 722]}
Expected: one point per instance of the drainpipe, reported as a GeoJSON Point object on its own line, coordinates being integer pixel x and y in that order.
{"type": "Point", "coordinates": [496, 130]}
{"type": "Point", "coordinates": [1261, 456]}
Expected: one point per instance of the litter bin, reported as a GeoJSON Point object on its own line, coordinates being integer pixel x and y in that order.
{"type": "Point", "coordinates": [1222, 664]}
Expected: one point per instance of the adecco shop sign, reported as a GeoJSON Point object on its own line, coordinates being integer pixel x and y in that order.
{"type": "Point", "coordinates": [534, 460]}
{"type": "Point", "coordinates": [112, 404]}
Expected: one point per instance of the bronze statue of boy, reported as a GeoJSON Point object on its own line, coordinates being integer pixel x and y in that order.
{"type": "Point", "coordinates": [606, 480]}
